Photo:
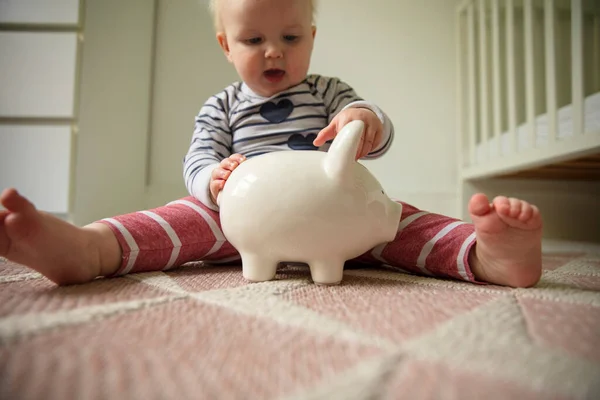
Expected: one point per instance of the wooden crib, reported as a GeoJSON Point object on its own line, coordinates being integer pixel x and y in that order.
{"type": "Point", "coordinates": [528, 90]}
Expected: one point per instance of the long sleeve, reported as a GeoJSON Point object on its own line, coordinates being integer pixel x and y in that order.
{"type": "Point", "coordinates": [211, 143]}
{"type": "Point", "coordinates": [338, 96]}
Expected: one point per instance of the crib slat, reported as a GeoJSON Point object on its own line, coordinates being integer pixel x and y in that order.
{"type": "Point", "coordinates": [510, 71]}
{"type": "Point", "coordinates": [549, 37]}
{"type": "Point", "coordinates": [577, 65]}
{"type": "Point", "coordinates": [496, 72]}
{"type": "Point", "coordinates": [472, 83]}
{"type": "Point", "coordinates": [483, 81]}
{"type": "Point", "coordinates": [529, 72]}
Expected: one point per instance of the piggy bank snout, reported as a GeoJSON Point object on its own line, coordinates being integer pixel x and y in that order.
{"type": "Point", "coordinates": [396, 214]}
{"type": "Point", "coordinates": [385, 215]}
{"type": "Point", "coordinates": [377, 211]}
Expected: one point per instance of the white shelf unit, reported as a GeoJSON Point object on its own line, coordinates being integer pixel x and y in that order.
{"type": "Point", "coordinates": [40, 44]}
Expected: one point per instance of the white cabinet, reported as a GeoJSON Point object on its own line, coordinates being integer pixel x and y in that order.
{"type": "Point", "coordinates": [39, 46]}
{"type": "Point", "coordinates": [75, 104]}
{"type": "Point", "coordinates": [63, 12]}
{"type": "Point", "coordinates": [38, 74]}
{"type": "Point", "coordinates": [37, 161]}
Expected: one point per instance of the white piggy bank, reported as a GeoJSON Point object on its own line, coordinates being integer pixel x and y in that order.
{"type": "Point", "coordinates": [306, 206]}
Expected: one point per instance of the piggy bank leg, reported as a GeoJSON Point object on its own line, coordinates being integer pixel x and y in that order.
{"type": "Point", "coordinates": [258, 269]}
{"type": "Point", "coordinates": [327, 272]}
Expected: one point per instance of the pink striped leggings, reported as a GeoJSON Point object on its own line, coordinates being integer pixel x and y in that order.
{"type": "Point", "coordinates": [186, 230]}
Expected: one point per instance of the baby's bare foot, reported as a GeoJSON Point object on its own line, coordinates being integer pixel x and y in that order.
{"type": "Point", "coordinates": [64, 253]}
{"type": "Point", "coordinates": [509, 241]}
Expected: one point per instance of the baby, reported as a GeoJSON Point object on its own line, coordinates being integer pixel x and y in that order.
{"type": "Point", "coordinates": [277, 106]}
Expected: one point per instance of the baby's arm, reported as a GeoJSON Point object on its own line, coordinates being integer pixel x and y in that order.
{"type": "Point", "coordinates": [211, 143]}
{"type": "Point", "coordinates": [371, 138]}
{"type": "Point", "coordinates": [339, 96]}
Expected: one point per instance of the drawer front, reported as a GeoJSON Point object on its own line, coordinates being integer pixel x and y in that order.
{"type": "Point", "coordinates": [36, 160]}
{"type": "Point", "coordinates": [44, 12]}
{"type": "Point", "coordinates": [38, 74]}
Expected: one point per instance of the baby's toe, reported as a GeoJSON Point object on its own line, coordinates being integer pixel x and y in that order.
{"type": "Point", "coordinates": [536, 216]}
{"type": "Point", "coordinates": [15, 202]}
{"type": "Point", "coordinates": [502, 205]}
{"type": "Point", "coordinates": [526, 212]}
{"type": "Point", "coordinates": [479, 204]}
{"type": "Point", "coordinates": [515, 207]}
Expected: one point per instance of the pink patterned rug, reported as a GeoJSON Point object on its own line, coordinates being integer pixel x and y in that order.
{"type": "Point", "coordinates": [202, 332]}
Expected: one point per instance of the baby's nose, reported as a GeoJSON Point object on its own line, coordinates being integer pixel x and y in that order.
{"type": "Point", "coordinates": [273, 51]}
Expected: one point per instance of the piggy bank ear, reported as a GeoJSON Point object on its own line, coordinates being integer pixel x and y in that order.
{"type": "Point", "coordinates": [342, 152]}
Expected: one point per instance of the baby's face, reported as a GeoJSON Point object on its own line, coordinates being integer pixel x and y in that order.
{"type": "Point", "coordinates": [268, 41]}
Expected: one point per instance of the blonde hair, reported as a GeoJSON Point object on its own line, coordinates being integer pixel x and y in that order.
{"type": "Point", "coordinates": [214, 12]}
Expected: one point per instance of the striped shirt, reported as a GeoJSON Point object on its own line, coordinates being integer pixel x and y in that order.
{"type": "Point", "coordinates": [237, 120]}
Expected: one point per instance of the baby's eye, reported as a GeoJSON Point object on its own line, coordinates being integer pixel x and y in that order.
{"type": "Point", "coordinates": [290, 38]}
{"type": "Point", "coordinates": [255, 40]}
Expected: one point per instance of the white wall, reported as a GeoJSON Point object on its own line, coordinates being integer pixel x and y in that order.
{"type": "Point", "coordinates": [189, 68]}
{"type": "Point", "coordinates": [397, 53]}
{"type": "Point", "coordinates": [114, 109]}
{"type": "Point", "coordinates": [401, 55]}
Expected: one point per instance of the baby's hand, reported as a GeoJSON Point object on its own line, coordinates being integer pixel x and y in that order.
{"type": "Point", "coordinates": [372, 133]}
{"type": "Point", "coordinates": [222, 172]}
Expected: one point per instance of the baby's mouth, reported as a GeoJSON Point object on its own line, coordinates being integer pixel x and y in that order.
{"type": "Point", "coordinates": [274, 74]}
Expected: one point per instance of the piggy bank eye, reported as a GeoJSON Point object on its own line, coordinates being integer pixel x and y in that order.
{"type": "Point", "coordinates": [382, 191]}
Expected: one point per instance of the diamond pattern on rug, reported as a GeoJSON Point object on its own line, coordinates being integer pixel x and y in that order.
{"type": "Point", "coordinates": [204, 332]}
{"type": "Point", "coordinates": [572, 327]}
{"type": "Point", "coordinates": [185, 349]}
{"type": "Point", "coordinates": [201, 278]}
{"type": "Point", "coordinates": [580, 273]}
{"type": "Point", "coordinates": [42, 295]}
{"type": "Point", "coordinates": [495, 340]}
{"type": "Point", "coordinates": [583, 266]}
{"type": "Point", "coordinates": [556, 260]}
{"type": "Point", "coordinates": [415, 379]}
{"type": "Point", "coordinates": [403, 310]}
{"type": "Point", "coordinates": [585, 282]}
